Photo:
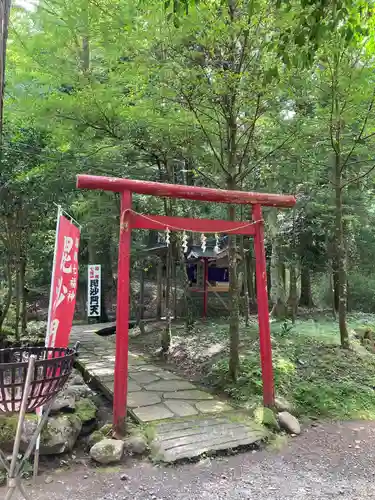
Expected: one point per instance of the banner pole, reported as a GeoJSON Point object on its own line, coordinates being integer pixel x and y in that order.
{"type": "Point", "coordinates": [39, 411]}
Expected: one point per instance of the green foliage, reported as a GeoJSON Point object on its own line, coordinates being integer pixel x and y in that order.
{"type": "Point", "coordinates": [252, 95]}
{"type": "Point", "coordinates": [319, 377]}
{"type": "Point", "coordinates": [286, 328]}
{"type": "Point", "coordinates": [361, 294]}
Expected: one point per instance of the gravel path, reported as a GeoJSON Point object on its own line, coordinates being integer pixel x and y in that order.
{"type": "Point", "coordinates": [327, 461]}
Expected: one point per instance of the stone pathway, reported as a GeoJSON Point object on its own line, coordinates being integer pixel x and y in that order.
{"type": "Point", "coordinates": [155, 395]}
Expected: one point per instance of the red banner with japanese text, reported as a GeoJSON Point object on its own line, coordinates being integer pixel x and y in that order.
{"type": "Point", "coordinates": [64, 284]}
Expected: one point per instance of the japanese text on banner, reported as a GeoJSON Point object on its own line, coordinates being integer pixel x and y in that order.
{"type": "Point", "coordinates": [94, 289]}
{"type": "Point", "coordinates": [64, 285]}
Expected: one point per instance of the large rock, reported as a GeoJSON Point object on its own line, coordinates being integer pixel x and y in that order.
{"type": "Point", "coordinates": [94, 438]}
{"type": "Point", "coordinates": [65, 403]}
{"type": "Point", "coordinates": [78, 391]}
{"type": "Point", "coordinates": [86, 411]}
{"type": "Point", "coordinates": [107, 451]}
{"type": "Point", "coordinates": [289, 423]}
{"type": "Point", "coordinates": [105, 432]}
{"type": "Point", "coordinates": [59, 435]}
{"type": "Point", "coordinates": [76, 379]}
{"type": "Point", "coordinates": [136, 445]}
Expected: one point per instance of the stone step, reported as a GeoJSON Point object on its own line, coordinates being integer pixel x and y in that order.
{"type": "Point", "coordinates": [187, 420]}
{"type": "Point", "coordinates": [192, 438]}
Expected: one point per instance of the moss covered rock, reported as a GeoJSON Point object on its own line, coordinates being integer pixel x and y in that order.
{"type": "Point", "coordinates": [106, 430]}
{"type": "Point", "coordinates": [107, 451]}
{"type": "Point", "coordinates": [94, 438]}
{"type": "Point", "coordinates": [366, 336]}
{"type": "Point", "coordinates": [266, 416]}
{"type": "Point", "coordinates": [136, 445]}
{"type": "Point", "coordinates": [59, 435]}
{"type": "Point", "coordinates": [8, 426]}
{"type": "Point", "coordinates": [86, 411]}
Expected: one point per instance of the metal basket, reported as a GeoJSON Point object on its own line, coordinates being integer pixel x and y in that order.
{"type": "Point", "coordinates": [52, 369]}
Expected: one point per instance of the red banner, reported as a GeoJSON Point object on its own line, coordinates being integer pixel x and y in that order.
{"type": "Point", "coordinates": [64, 284]}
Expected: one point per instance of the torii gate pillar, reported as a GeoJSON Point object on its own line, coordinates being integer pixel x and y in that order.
{"type": "Point", "coordinates": [130, 220]}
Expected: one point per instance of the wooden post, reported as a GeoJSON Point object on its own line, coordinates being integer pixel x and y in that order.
{"type": "Point", "coordinates": [142, 295]}
{"type": "Point", "coordinates": [175, 301]}
{"type": "Point", "coordinates": [205, 288]}
{"type": "Point", "coordinates": [263, 313]}
{"type": "Point", "coordinates": [159, 284]}
{"type": "Point", "coordinates": [120, 392]}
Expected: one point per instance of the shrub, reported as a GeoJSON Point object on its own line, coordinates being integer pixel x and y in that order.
{"type": "Point", "coordinates": [361, 292]}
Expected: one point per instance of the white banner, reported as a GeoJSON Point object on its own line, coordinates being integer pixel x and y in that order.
{"type": "Point", "coordinates": [93, 291]}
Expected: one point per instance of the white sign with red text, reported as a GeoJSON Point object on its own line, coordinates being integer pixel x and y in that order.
{"type": "Point", "coordinates": [94, 289]}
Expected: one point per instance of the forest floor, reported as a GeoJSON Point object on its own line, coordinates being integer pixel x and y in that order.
{"type": "Point", "coordinates": [328, 461]}
{"type": "Point", "coordinates": [311, 370]}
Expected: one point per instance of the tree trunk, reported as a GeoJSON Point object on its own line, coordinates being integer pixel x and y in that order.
{"type": "Point", "coordinates": [159, 291]}
{"type": "Point", "coordinates": [85, 56]}
{"type": "Point", "coordinates": [332, 294]}
{"type": "Point", "coordinates": [245, 282]}
{"type": "Point", "coordinates": [335, 283]}
{"type": "Point", "coordinates": [23, 294]}
{"type": "Point", "coordinates": [250, 279]}
{"type": "Point", "coordinates": [189, 313]}
{"type": "Point", "coordinates": [17, 297]}
{"type": "Point", "coordinates": [167, 332]}
{"type": "Point", "coordinates": [293, 294]}
{"type": "Point", "coordinates": [175, 286]}
{"type": "Point", "coordinates": [279, 307]}
{"type": "Point", "coordinates": [269, 281]}
{"type": "Point", "coordinates": [341, 261]}
{"type": "Point", "coordinates": [337, 177]}
{"type": "Point", "coordinates": [306, 299]}
{"type": "Point", "coordinates": [141, 303]}
{"type": "Point", "coordinates": [4, 310]}
{"type": "Point", "coordinates": [105, 248]}
{"type": "Point", "coordinates": [234, 326]}
{"type": "Point", "coordinates": [5, 13]}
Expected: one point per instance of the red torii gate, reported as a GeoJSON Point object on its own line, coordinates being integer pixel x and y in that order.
{"type": "Point", "coordinates": [130, 220]}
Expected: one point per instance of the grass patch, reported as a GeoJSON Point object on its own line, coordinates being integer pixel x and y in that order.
{"type": "Point", "coordinates": [311, 371]}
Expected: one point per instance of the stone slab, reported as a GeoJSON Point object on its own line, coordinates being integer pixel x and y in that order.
{"type": "Point", "coordinates": [188, 421]}
{"type": "Point", "coordinates": [196, 429]}
{"type": "Point", "coordinates": [142, 398]}
{"type": "Point", "coordinates": [110, 386]}
{"type": "Point", "coordinates": [142, 368]}
{"type": "Point", "coordinates": [189, 395]}
{"type": "Point", "coordinates": [169, 385]}
{"type": "Point", "coordinates": [136, 360]}
{"type": "Point", "coordinates": [144, 377]}
{"type": "Point", "coordinates": [111, 359]}
{"type": "Point", "coordinates": [213, 406]}
{"type": "Point", "coordinates": [197, 449]}
{"type": "Point", "coordinates": [133, 387]}
{"type": "Point", "coordinates": [152, 413]}
{"type": "Point", "coordinates": [180, 408]}
{"type": "Point", "coordinates": [191, 423]}
{"type": "Point", "coordinates": [103, 372]}
{"type": "Point", "coordinates": [166, 375]}
{"type": "Point", "coordinates": [216, 434]}
{"type": "Point", "coordinates": [198, 436]}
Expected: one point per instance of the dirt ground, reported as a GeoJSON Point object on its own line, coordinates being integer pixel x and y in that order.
{"type": "Point", "coordinates": [331, 460]}
{"type": "Point", "coordinates": [192, 354]}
